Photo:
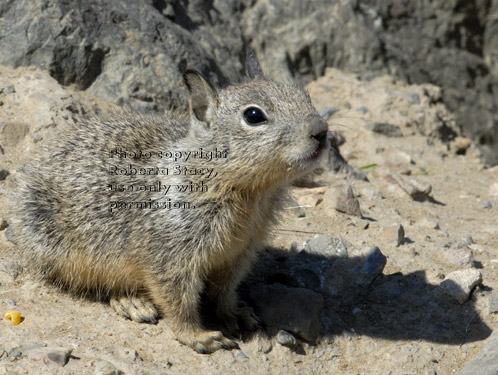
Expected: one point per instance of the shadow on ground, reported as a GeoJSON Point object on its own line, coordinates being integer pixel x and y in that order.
{"type": "Point", "coordinates": [316, 296]}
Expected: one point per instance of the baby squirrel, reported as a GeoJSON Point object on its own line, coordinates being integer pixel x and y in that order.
{"type": "Point", "coordinates": [105, 210]}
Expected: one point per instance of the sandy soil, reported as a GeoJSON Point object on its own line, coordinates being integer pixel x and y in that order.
{"type": "Point", "coordinates": [406, 335]}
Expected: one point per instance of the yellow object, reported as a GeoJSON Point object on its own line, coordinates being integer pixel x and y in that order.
{"type": "Point", "coordinates": [14, 316]}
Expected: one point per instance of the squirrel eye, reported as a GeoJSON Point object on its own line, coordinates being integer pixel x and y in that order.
{"type": "Point", "coordinates": [254, 116]}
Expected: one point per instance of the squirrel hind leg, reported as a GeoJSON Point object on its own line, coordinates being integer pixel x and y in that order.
{"type": "Point", "coordinates": [136, 308]}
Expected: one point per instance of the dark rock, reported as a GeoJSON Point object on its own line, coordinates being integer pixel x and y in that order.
{"type": "Point", "coordinates": [3, 173]}
{"type": "Point", "coordinates": [486, 362]}
{"type": "Point", "coordinates": [127, 52]}
{"type": "Point", "coordinates": [295, 310]}
{"type": "Point", "coordinates": [386, 129]}
{"type": "Point", "coordinates": [305, 277]}
{"type": "Point", "coordinates": [3, 224]}
{"type": "Point", "coordinates": [372, 266]}
{"type": "Point", "coordinates": [393, 287]}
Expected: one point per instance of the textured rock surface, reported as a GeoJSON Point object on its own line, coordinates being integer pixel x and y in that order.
{"type": "Point", "coordinates": [486, 363]}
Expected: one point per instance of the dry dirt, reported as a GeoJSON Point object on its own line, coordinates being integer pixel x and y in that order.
{"type": "Point", "coordinates": [381, 339]}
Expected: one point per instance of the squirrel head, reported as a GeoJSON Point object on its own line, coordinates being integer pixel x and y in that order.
{"type": "Point", "coordinates": [269, 128]}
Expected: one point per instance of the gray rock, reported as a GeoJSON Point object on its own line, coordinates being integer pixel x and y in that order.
{"type": "Point", "coordinates": [103, 367]}
{"type": "Point", "coordinates": [295, 310]}
{"type": "Point", "coordinates": [492, 304]}
{"type": "Point", "coordinates": [386, 129]}
{"type": "Point", "coordinates": [430, 223]}
{"type": "Point", "coordinates": [239, 354]}
{"type": "Point", "coordinates": [9, 235]}
{"type": "Point", "coordinates": [12, 268]}
{"type": "Point", "coordinates": [372, 266]}
{"type": "Point", "coordinates": [285, 338]}
{"type": "Point", "coordinates": [486, 205]}
{"type": "Point", "coordinates": [486, 362]}
{"type": "Point", "coordinates": [51, 355]}
{"type": "Point", "coordinates": [343, 200]}
{"type": "Point", "coordinates": [415, 189]}
{"type": "Point", "coordinates": [7, 89]}
{"type": "Point", "coordinates": [127, 52]}
{"type": "Point", "coordinates": [459, 254]}
{"type": "Point", "coordinates": [327, 245]}
{"type": "Point", "coordinates": [394, 287]}
{"type": "Point", "coordinates": [457, 286]}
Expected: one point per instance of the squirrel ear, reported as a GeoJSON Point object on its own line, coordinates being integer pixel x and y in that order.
{"type": "Point", "coordinates": [253, 69]}
{"type": "Point", "coordinates": [203, 96]}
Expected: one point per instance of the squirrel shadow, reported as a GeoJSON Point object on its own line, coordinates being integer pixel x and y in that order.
{"type": "Point", "coordinates": [315, 297]}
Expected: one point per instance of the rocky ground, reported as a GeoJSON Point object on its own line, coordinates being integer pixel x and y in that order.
{"type": "Point", "coordinates": [387, 267]}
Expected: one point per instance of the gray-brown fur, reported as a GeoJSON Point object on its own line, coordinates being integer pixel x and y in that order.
{"type": "Point", "coordinates": [142, 258]}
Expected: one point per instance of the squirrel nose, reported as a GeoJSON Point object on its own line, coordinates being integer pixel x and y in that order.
{"type": "Point", "coordinates": [318, 130]}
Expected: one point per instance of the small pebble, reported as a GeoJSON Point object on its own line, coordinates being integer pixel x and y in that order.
{"type": "Point", "coordinates": [7, 89]}
{"type": "Point", "coordinates": [343, 200]}
{"type": "Point", "coordinates": [394, 234]}
{"type": "Point", "coordinates": [461, 145]}
{"type": "Point", "coordinates": [389, 130]}
{"type": "Point", "coordinates": [286, 339]}
{"type": "Point", "coordinates": [103, 367]}
{"type": "Point", "coordinates": [3, 224]}
{"type": "Point", "coordinates": [3, 173]}
{"type": "Point", "coordinates": [492, 304]}
{"type": "Point", "coordinates": [415, 189]}
{"type": "Point", "coordinates": [430, 223]}
{"type": "Point", "coordinates": [486, 205]}
{"type": "Point", "coordinates": [493, 190]}
{"type": "Point", "coordinates": [51, 355]}
{"type": "Point", "coordinates": [241, 355]}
